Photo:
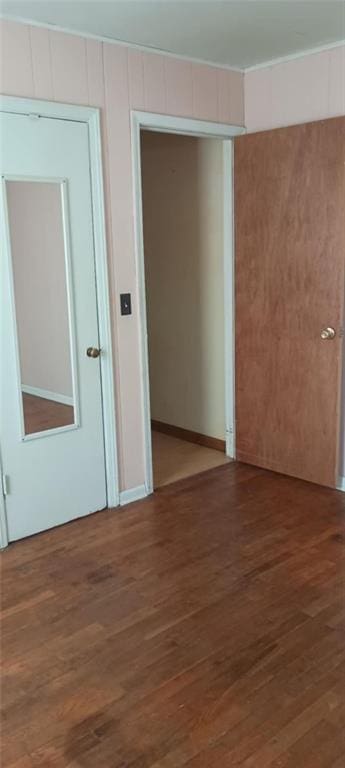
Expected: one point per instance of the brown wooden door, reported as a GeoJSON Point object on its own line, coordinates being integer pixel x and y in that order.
{"type": "Point", "coordinates": [290, 249]}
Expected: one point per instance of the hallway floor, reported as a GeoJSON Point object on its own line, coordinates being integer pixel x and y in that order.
{"type": "Point", "coordinates": [174, 459]}
{"type": "Point", "coordinates": [202, 627]}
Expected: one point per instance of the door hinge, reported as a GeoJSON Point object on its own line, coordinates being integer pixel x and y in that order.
{"type": "Point", "coordinates": [5, 485]}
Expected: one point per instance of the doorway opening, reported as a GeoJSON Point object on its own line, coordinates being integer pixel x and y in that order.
{"type": "Point", "coordinates": [186, 220]}
{"type": "Point", "coordinates": [182, 195]}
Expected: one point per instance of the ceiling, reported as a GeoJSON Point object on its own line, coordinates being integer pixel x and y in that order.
{"type": "Point", "coordinates": [237, 34]}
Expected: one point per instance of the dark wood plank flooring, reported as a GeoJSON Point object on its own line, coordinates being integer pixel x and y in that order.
{"type": "Point", "coordinates": [203, 627]}
{"type": "Point", "coordinates": [41, 414]}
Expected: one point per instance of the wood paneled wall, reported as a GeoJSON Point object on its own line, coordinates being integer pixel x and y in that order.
{"type": "Point", "coordinates": [301, 90]}
{"type": "Point", "coordinates": [41, 63]}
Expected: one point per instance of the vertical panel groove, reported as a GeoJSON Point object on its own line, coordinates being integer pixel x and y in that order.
{"type": "Point", "coordinates": [51, 65]}
{"type": "Point", "coordinates": [87, 71]}
{"type": "Point", "coordinates": [32, 61]}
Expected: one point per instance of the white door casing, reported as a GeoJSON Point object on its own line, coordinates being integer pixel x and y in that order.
{"type": "Point", "coordinates": [202, 129]}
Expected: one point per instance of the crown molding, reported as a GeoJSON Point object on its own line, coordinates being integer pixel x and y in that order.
{"type": "Point", "coordinates": [293, 56]}
{"type": "Point", "coordinates": [115, 41]}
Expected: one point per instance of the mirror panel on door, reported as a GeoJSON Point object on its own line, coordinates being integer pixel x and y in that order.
{"type": "Point", "coordinates": [40, 283]}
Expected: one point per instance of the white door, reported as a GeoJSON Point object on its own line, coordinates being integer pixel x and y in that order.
{"type": "Point", "coordinates": [51, 421]}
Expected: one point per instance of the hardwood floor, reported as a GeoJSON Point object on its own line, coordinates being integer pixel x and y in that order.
{"type": "Point", "coordinates": [41, 414]}
{"type": "Point", "coordinates": [203, 627]}
{"type": "Point", "coordinates": [174, 459]}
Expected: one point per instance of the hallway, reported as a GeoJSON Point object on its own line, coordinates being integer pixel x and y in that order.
{"type": "Point", "coordinates": [175, 459]}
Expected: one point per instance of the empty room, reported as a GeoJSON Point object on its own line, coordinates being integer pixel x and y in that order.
{"type": "Point", "coordinates": [172, 383]}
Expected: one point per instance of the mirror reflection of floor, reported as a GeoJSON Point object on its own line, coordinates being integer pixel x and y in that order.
{"type": "Point", "coordinates": [174, 459]}
{"type": "Point", "coordinates": [41, 414]}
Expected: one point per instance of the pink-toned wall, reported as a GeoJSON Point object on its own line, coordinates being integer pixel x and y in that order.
{"type": "Point", "coordinates": [44, 64]}
{"type": "Point", "coordinates": [297, 91]}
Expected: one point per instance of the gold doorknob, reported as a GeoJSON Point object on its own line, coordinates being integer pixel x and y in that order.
{"type": "Point", "coordinates": [327, 333]}
{"type": "Point", "coordinates": [93, 352]}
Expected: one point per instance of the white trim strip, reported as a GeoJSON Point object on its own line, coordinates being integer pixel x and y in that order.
{"type": "Point", "coordinates": [153, 121]}
{"type": "Point", "coordinates": [3, 518]}
{"type": "Point", "coordinates": [229, 298]}
{"type": "Point", "coordinates": [22, 106]}
{"type": "Point", "coordinates": [293, 56]}
{"type": "Point", "coordinates": [47, 394]}
{"type": "Point", "coordinates": [140, 275]}
{"type": "Point", "coordinates": [133, 494]}
{"type": "Point", "coordinates": [341, 484]}
{"type": "Point", "coordinates": [70, 300]}
{"type": "Point", "coordinates": [103, 312]}
{"type": "Point", "coordinates": [115, 41]}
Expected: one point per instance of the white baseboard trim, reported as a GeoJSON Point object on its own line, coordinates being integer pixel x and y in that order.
{"type": "Point", "coordinates": [341, 484]}
{"type": "Point", "coordinates": [47, 395]}
{"type": "Point", "coordinates": [133, 494]}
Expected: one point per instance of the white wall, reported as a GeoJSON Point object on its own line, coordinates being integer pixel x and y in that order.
{"type": "Point", "coordinates": [37, 246]}
{"type": "Point", "coordinates": [183, 239]}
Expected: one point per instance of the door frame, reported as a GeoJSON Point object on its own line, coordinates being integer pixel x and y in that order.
{"type": "Point", "coordinates": [91, 117]}
{"type": "Point", "coordinates": [201, 129]}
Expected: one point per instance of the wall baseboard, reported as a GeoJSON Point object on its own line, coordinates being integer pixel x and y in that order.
{"type": "Point", "coordinates": [188, 435]}
{"type": "Point", "coordinates": [341, 484]}
{"type": "Point", "coordinates": [47, 395]}
{"type": "Point", "coordinates": [133, 494]}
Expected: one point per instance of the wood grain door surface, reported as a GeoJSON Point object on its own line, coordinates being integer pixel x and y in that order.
{"type": "Point", "coordinates": [290, 247]}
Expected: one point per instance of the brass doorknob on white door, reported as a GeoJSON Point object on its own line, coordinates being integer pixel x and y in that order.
{"type": "Point", "coordinates": [93, 352]}
{"type": "Point", "coordinates": [327, 333]}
